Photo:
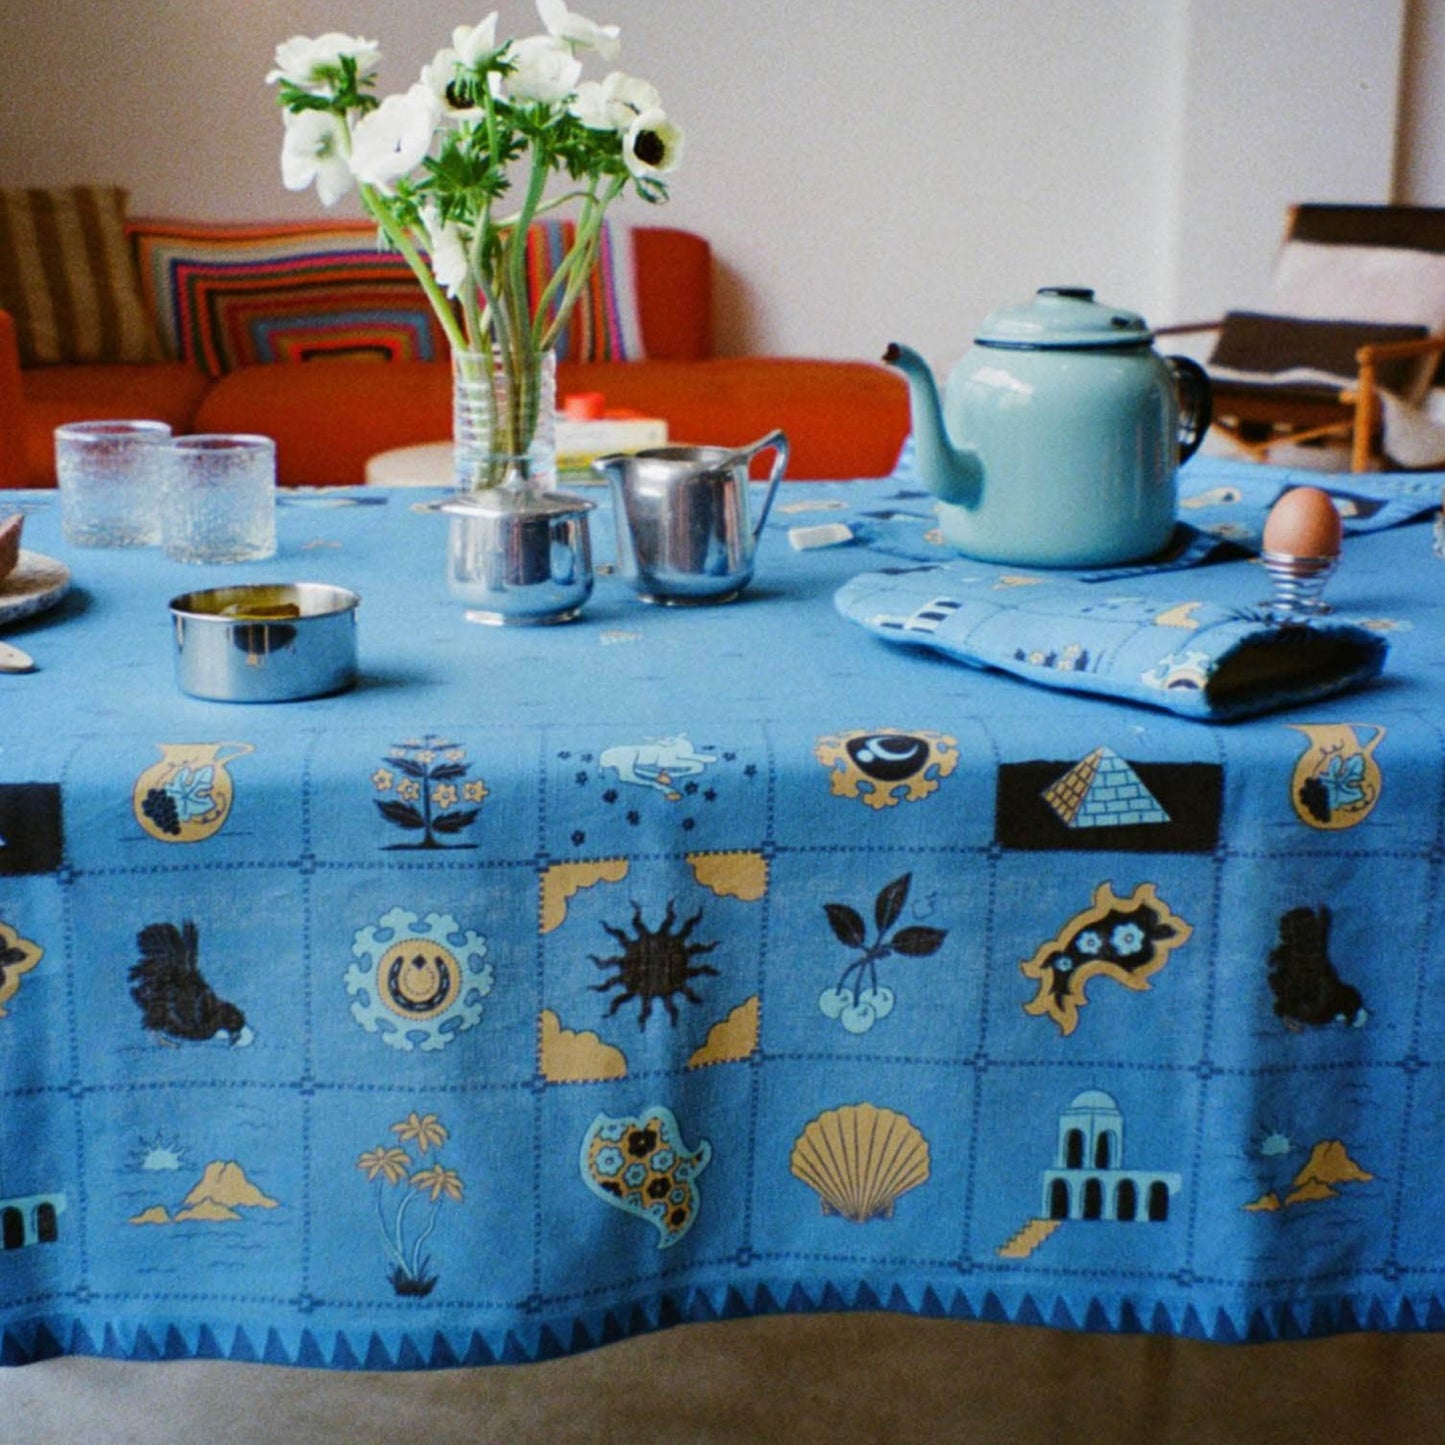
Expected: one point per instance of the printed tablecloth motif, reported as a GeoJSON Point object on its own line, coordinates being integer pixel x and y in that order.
{"type": "Point", "coordinates": [548, 988]}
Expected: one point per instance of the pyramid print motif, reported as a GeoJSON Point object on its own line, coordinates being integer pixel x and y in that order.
{"type": "Point", "coordinates": [1103, 791]}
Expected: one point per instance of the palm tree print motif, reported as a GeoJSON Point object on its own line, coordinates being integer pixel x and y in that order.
{"type": "Point", "coordinates": [405, 1167]}
{"type": "Point", "coordinates": [423, 782]}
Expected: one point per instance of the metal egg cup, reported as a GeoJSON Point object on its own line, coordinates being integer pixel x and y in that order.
{"type": "Point", "coordinates": [1298, 582]}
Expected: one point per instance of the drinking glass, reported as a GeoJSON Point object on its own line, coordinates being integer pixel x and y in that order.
{"type": "Point", "coordinates": [111, 474]}
{"type": "Point", "coordinates": [220, 498]}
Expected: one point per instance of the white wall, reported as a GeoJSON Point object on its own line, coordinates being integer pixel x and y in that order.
{"type": "Point", "coordinates": [865, 171]}
{"type": "Point", "coordinates": [1420, 154]}
{"type": "Point", "coordinates": [1280, 101]}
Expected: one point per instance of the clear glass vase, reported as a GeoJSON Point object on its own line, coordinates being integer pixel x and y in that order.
{"type": "Point", "coordinates": [504, 420]}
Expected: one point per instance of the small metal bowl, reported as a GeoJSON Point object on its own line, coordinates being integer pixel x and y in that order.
{"type": "Point", "coordinates": [265, 642]}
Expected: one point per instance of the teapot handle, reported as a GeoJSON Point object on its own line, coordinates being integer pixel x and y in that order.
{"type": "Point", "coordinates": [1196, 404]}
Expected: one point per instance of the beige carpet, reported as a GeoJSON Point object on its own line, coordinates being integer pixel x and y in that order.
{"type": "Point", "coordinates": [833, 1380]}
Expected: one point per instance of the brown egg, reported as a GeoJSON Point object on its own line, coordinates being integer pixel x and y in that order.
{"type": "Point", "coordinates": [1303, 523]}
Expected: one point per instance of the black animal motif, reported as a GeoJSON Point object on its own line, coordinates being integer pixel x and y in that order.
{"type": "Point", "coordinates": [175, 1001]}
{"type": "Point", "coordinates": [1307, 990]}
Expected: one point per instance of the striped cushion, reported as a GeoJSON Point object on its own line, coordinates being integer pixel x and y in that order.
{"type": "Point", "coordinates": [605, 325]}
{"type": "Point", "coordinates": [235, 295]}
{"type": "Point", "coordinates": [68, 279]}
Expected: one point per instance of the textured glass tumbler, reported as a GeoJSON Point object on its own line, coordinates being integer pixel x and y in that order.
{"type": "Point", "coordinates": [220, 499]}
{"type": "Point", "coordinates": [111, 474]}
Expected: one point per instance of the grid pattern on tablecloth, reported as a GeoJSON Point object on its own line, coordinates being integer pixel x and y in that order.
{"type": "Point", "coordinates": [216, 1194]}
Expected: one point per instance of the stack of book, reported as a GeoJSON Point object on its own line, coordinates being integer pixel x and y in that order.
{"type": "Point", "coordinates": [581, 442]}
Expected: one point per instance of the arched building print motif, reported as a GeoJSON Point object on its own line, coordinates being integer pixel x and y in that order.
{"type": "Point", "coordinates": [31, 1220]}
{"type": "Point", "coordinates": [1089, 1180]}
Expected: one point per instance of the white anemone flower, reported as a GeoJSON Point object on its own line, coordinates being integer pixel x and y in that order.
{"type": "Point", "coordinates": [314, 149]}
{"type": "Point", "coordinates": [475, 42]}
{"type": "Point", "coordinates": [391, 140]}
{"type": "Point", "coordinates": [578, 31]}
{"type": "Point", "coordinates": [314, 64]}
{"type": "Point", "coordinates": [545, 70]}
{"type": "Point", "coordinates": [652, 145]}
{"type": "Point", "coordinates": [439, 75]}
{"type": "Point", "coordinates": [614, 103]}
{"type": "Point", "coordinates": [447, 247]}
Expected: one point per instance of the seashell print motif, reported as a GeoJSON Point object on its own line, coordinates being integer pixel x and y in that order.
{"type": "Point", "coordinates": [860, 1159]}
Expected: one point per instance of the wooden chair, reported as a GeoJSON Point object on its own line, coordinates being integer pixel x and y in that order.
{"type": "Point", "coordinates": [1358, 308]}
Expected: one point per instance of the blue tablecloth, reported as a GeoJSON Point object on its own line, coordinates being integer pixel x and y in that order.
{"type": "Point", "coordinates": [555, 985]}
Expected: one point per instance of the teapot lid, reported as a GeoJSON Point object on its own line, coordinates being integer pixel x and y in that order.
{"type": "Point", "coordinates": [1063, 317]}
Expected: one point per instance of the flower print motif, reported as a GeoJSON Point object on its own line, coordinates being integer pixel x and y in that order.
{"type": "Point", "coordinates": [390, 141]}
{"type": "Point", "coordinates": [427, 779]}
{"type": "Point", "coordinates": [318, 63]}
{"type": "Point", "coordinates": [423, 1130]}
{"type": "Point", "coordinates": [314, 150]}
{"type": "Point", "coordinates": [391, 1164]}
{"type": "Point", "coordinates": [382, 779]}
{"type": "Point", "coordinates": [437, 1181]}
{"type": "Point", "coordinates": [577, 31]}
{"type": "Point", "coordinates": [1127, 939]}
{"type": "Point", "coordinates": [1088, 943]}
{"type": "Point", "coordinates": [652, 145]}
{"type": "Point", "coordinates": [609, 1161]}
{"type": "Point", "coordinates": [544, 70]}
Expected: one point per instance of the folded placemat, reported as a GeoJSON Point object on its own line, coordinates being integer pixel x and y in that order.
{"type": "Point", "coordinates": [1198, 659]}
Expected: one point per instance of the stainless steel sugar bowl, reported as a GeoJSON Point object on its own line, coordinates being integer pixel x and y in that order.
{"type": "Point", "coordinates": [265, 642]}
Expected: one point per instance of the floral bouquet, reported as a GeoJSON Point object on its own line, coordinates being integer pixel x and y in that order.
{"type": "Point", "coordinates": [494, 135]}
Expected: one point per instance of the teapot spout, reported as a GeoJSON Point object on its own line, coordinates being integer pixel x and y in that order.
{"type": "Point", "coordinates": [953, 474]}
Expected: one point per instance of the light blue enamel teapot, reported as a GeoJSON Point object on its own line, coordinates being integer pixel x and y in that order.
{"type": "Point", "coordinates": [1059, 435]}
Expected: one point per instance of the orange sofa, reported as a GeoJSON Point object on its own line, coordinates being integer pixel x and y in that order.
{"type": "Point", "coordinates": [329, 415]}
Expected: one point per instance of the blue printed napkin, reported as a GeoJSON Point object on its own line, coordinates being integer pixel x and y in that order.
{"type": "Point", "coordinates": [1199, 659]}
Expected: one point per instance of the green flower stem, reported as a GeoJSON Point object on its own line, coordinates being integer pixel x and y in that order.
{"type": "Point", "coordinates": [397, 234]}
{"type": "Point", "coordinates": [576, 267]}
{"type": "Point", "coordinates": [520, 358]}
